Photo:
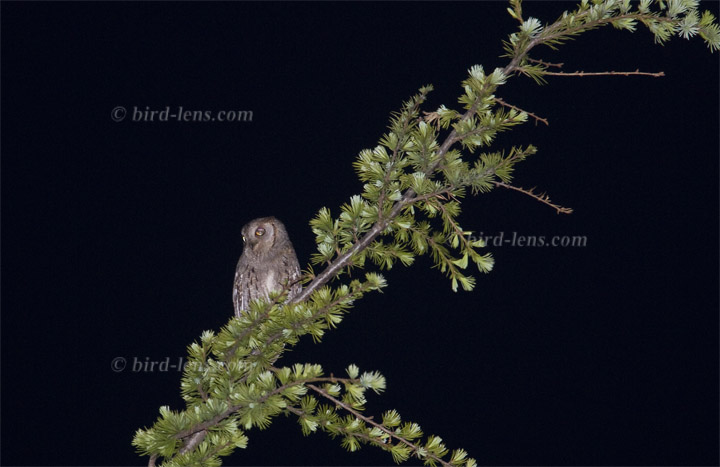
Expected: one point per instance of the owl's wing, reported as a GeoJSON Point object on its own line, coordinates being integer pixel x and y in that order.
{"type": "Point", "coordinates": [295, 274]}
{"type": "Point", "coordinates": [238, 295]}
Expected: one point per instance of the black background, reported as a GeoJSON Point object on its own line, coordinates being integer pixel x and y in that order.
{"type": "Point", "coordinates": [120, 239]}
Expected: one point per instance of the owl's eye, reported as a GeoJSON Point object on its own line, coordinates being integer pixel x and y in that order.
{"type": "Point", "coordinates": [259, 232]}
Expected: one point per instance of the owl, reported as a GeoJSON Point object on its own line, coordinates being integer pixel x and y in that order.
{"type": "Point", "coordinates": [268, 262]}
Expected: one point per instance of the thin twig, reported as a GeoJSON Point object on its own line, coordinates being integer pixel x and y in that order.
{"type": "Point", "coordinates": [542, 62]}
{"type": "Point", "coordinates": [537, 119]}
{"type": "Point", "coordinates": [581, 74]}
{"type": "Point", "coordinates": [542, 197]}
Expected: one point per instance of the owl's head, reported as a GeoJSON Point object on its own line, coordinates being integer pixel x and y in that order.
{"type": "Point", "coordinates": [261, 235]}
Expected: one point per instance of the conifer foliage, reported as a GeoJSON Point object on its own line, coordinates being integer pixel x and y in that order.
{"type": "Point", "coordinates": [413, 181]}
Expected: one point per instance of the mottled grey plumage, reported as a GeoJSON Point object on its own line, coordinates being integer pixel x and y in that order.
{"type": "Point", "coordinates": [268, 263]}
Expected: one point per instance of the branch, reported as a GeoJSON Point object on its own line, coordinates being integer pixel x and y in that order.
{"type": "Point", "coordinates": [542, 197]}
{"type": "Point", "coordinates": [379, 426]}
{"type": "Point", "coordinates": [201, 427]}
{"type": "Point", "coordinates": [321, 311]}
{"type": "Point", "coordinates": [193, 440]}
{"type": "Point", "coordinates": [335, 267]}
{"type": "Point", "coordinates": [556, 31]}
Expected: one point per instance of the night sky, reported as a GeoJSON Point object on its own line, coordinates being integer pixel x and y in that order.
{"type": "Point", "coordinates": [120, 239]}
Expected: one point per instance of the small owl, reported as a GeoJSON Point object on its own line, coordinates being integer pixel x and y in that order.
{"type": "Point", "coordinates": [268, 263]}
